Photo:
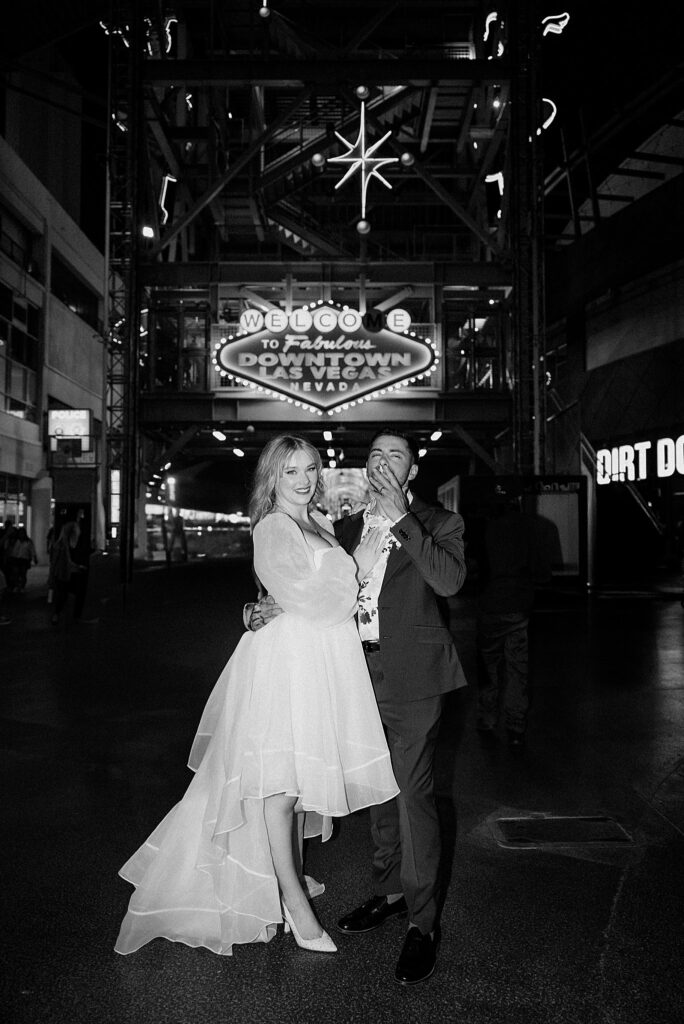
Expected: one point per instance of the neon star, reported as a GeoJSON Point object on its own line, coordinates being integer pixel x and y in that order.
{"type": "Point", "coordinates": [359, 156]}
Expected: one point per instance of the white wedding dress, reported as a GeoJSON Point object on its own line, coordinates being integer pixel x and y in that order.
{"type": "Point", "coordinates": [292, 712]}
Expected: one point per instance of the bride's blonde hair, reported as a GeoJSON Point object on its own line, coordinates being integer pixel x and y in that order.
{"type": "Point", "coordinates": [270, 468]}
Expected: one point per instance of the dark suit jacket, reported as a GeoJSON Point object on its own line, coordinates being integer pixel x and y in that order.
{"type": "Point", "coordinates": [418, 654]}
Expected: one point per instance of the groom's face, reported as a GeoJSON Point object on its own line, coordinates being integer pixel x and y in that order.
{"type": "Point", "coordinates": [388, 451]}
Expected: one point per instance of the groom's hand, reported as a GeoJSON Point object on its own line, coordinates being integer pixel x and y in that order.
{"type": "Point", "coordinates": [388, 492]}
{"type": "Point", "coordinates": [264, 611]}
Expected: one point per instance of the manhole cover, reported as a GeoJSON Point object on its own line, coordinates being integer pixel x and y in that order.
{"type": "Point", "coordinates": [548, 830]}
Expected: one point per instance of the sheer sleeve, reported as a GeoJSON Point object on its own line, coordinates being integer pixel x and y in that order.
{"type": "Point", "coordinates": [320, 586]}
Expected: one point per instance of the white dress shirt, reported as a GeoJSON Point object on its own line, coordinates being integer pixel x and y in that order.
{"type": "Point", "coordinates": [369, 591]}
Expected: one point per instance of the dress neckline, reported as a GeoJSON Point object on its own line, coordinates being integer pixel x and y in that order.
{"type": "Point", "coordinates": [329, 546]}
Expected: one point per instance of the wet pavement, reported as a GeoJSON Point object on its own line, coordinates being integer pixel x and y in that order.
{"type": "Point", "coordinates": [97, 721]}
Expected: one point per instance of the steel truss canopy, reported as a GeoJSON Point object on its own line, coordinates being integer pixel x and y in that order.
{"type": "Point", "coordinates": [349, 152]}
{"type": "Point", "coordinates": [242, 113]}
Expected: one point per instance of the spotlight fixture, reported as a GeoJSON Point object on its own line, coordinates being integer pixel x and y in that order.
{"type": "Point", "coordinates": [422, 452]}
{"type": "Point", "coordinates": [330, 453]}
{"type": "Point", "coordinates": [327, 435]}
{"type": "Point", "coordinates": [219, 435]}
{"type": "Point", "coordinates": [147, 231]}
{"type": "Point", "coordinates": [239, 452]}
{"type": "Point", "coordinates": [435, 435]}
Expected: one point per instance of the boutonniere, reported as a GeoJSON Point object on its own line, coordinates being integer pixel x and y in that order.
{"type": "Point", "coordinates": [391, 542]}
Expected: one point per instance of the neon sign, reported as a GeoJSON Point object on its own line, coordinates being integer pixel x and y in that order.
{"type": "Point", "coordinates": [325, 356]}
{"type": "Point", "coordinates": [360, 157]}
{"type": "Point", "coordinates": [633, 462]}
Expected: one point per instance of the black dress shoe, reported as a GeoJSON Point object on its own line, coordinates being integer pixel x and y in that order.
{"type": "Point", "coordinates": [417, 959]}
{"type": "Point", "coordinates": [371, 915]}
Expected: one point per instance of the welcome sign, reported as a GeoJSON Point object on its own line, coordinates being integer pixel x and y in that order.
{"type": "Point", "coordinates": [325, 356]}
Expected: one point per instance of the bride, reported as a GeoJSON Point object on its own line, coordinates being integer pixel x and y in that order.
{"type": "Point", "coordinates": [289, 738]}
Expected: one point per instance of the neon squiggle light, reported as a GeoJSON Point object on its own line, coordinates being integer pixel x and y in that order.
{"type": "Point", "coordinates": [555, 23]}
{"type": "Point", "coordinates": [549, 120]}
{"type": "Point", "coordinates": [488, 21]}
{"type": "Point", "coordinates": [162, 196]}
{"type": "Point", "coordinates": [171, 20]}
{"type": "Point", "coordinates": [498, 178]}
{"type": "Point", "coordinates": [115, 32]}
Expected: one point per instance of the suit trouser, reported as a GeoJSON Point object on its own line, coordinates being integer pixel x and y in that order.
{"type": "Point", "coordinates": [405, 831]}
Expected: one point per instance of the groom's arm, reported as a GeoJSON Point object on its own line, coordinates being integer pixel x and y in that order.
{"type": "Point", "coordinates": [436, 550]}
{"type": "Point", "coordinates": [259, 613]}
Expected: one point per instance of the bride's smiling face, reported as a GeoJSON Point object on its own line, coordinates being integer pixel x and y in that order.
{"type": "Point", "coordinates": [297, 482]}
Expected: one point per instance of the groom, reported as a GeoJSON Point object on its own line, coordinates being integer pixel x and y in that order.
{"type": "Point", "coordinates": [413, 663]}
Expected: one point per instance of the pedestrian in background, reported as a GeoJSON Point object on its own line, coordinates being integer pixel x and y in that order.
{"type": "Point", "coordinates": [512, 559]}
{"type": "Point", "coordinates": [20, 555]}
{"type": "Point", "coordinates": [63, 568]}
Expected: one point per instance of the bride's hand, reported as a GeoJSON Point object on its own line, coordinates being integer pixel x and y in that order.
{"type": "Point", "coordinates": [367, 552]}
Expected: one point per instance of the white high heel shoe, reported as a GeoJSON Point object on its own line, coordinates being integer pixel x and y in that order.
{"type": "Point", "coordinates": [323, 944]}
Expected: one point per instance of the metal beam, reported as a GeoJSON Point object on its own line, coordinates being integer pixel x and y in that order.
{"type": "Point", "coordinates": [325, 140]}
{"type": "Point", "coordinates": [345, 271]}
{"type": "Point", "coordinates": [306, 233]}
{"type": "Point", "coordinates": [291, 73]}
{"type": "Point", "coordinates": [439, 190]}
{"type": "Point", "coordinates": [234, 169]}
{"type": "Point", "coordinates": [636, 172]}
{"type": "Point", "coordinates": [658, 158]}
{"type": "Point", "coordinates": [475, 447]}
{"type": "Point", "coordinates": [427, 120]}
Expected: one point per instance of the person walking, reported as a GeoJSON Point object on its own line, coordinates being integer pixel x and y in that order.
{"type": "Point", "coordinates": [21, 555]}
{"type": "Point", "coordinates": [63, 568]}
{"type": "Point", "coordinates": [512, 560]}
{"type": "Point", "coordinates": [413, 664]}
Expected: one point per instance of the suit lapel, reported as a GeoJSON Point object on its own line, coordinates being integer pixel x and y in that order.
{"type": "Point", "coordinates": [351, 529]}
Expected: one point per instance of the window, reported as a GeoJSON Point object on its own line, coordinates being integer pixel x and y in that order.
{"type": "Point", "coordinates": [14, 492]}
{"type": "Point", "coordinates": [19, 354]}
{"type": "Point", "coordinates": [15, 241]}
{"type": "Point", "coordinates": [5, 301]}
{"type": "Point", "coordinates": [70, 290]}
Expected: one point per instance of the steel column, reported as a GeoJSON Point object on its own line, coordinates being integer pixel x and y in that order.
{"type": "Point", "coordinates": [526, 192]}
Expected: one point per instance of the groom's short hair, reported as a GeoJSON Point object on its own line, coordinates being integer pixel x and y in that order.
{"type": "Point", "coordinates": [410, 440]}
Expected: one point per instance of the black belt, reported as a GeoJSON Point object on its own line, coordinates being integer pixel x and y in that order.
{"type": "Point", "coordinates": [371, 645]}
